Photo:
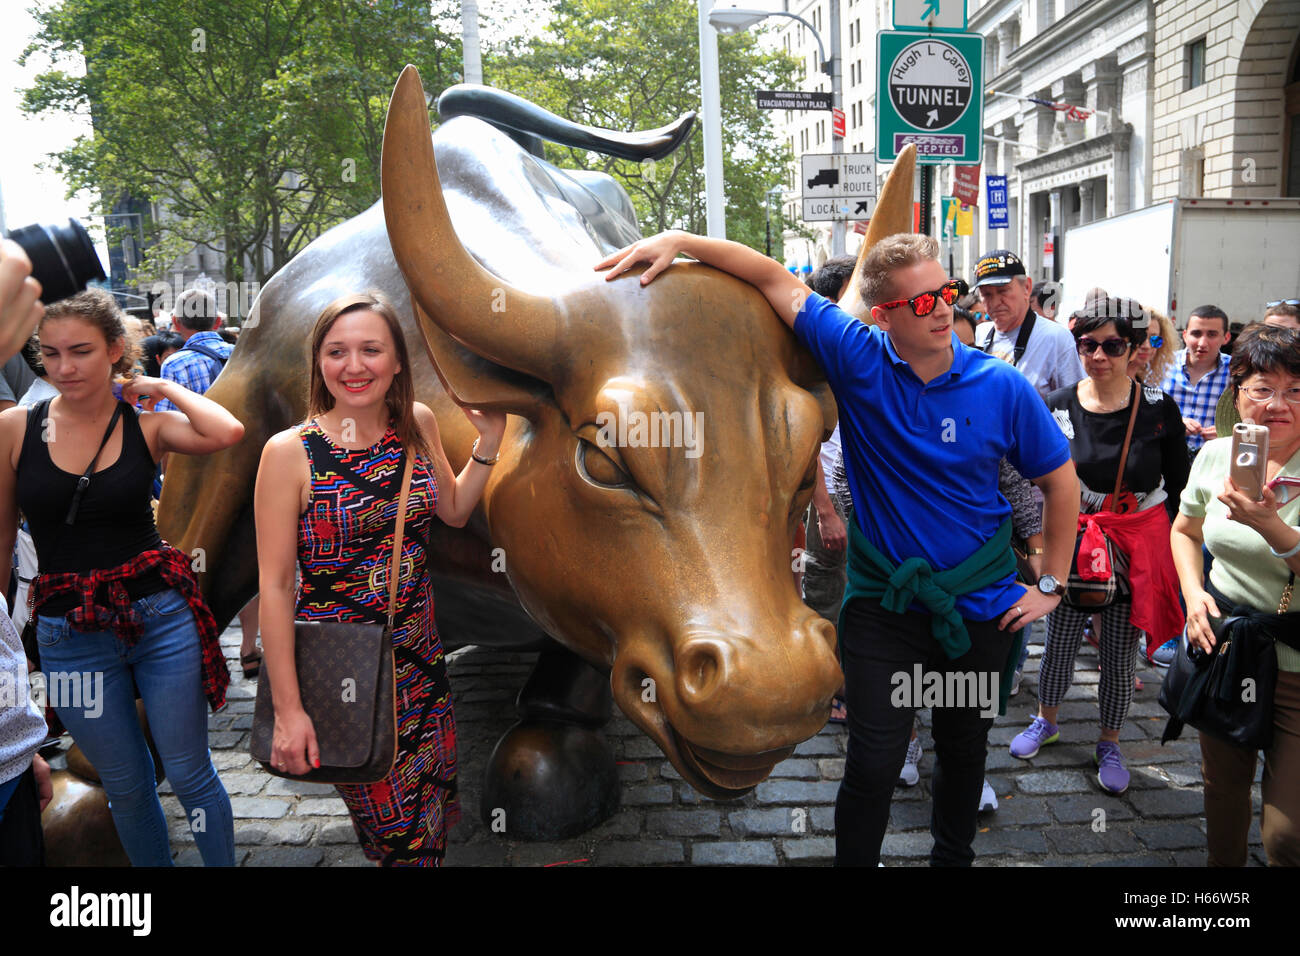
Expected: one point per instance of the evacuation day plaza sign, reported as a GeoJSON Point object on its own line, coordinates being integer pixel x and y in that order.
{"type": "Point", "coordinates": [931, 93]}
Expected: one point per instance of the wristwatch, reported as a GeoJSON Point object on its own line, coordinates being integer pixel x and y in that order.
{"type": "Point", "coordinates": [1049, 585]}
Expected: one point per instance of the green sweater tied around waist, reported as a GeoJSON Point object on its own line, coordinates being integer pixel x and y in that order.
{"type": "Point", "coordinates": [896, 587]}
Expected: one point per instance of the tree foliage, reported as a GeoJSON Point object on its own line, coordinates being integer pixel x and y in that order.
{"type": "Point", "coordinates": [635, 65]}
{"type": "Point", "coordinates": [255, 124]}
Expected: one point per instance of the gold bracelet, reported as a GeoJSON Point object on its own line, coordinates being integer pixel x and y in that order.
{"type": "Point", "coordinates": [1037, 550]}
{"type": "Point", "coordinates": [473, 453]}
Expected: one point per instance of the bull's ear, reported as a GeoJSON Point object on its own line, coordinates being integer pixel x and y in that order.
{"type": "Point", "coordinates": [893, 215]}
{"type": "Point", "coordinates": [807, 374]}
{"type": "Point", "coordinates": [472, 380]}
{"type": "Point", "coordinates": [830, 411]}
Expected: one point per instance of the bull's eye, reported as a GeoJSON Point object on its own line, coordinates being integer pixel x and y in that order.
{"type": "Point", "coordinates": [598, 468]}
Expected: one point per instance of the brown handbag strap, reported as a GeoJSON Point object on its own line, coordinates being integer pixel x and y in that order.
{"type": "Point", "coordinates": [1128, 437]}
{"type": "Point", "coordinates": [394, 570]}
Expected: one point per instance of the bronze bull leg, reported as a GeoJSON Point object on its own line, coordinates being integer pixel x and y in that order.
{"type": "Point", "coordinates": [553, 774]}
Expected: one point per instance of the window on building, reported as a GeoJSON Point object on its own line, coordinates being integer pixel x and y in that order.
{"type": "Point", "coordinates": [1046, 14]}
{"type": "Point", "coordinates": [1194, 63]}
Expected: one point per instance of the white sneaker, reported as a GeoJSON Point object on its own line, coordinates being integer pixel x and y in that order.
{"type": "Point", "coordinates": [988, 799]}
{"type": "Point", "coordinates": [1015, 684]}
{"type": "Point", "coordinates": [910, 775]}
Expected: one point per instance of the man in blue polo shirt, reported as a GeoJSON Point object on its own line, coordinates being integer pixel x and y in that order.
{"type": "Point", "coordinates": [924, 421]}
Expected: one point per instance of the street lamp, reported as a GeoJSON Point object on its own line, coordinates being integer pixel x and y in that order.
{"type": "Point", "coordinates": [774, 191]}
{"type": "Point", "coordinates": [731, 20]}
{"type": "Point", "coordinates": [734, 19]}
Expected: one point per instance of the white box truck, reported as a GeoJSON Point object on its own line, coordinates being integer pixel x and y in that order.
{"type": "Point", "coordinates": [1181, 253]}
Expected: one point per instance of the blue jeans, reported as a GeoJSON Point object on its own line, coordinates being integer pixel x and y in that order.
{"type": "Point", "coordinates": [89, 676]}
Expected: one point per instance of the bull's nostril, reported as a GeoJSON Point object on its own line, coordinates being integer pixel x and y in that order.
{"type": "Point", "coordinates": [701, 667]}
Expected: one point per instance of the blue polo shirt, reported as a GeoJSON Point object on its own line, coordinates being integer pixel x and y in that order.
{"type": "Point", "coordinates": [922, 460]}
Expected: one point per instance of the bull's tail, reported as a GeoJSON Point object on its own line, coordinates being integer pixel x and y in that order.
{"type": "Point", "coordinates": [516, 115]}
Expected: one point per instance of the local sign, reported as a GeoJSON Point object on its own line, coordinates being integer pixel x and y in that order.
{"type": "Point", "coordinates": [838, 186]}
{"type": "Point", "coordinates": [932, 95]}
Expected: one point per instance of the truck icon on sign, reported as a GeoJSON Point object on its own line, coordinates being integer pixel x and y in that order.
{"type": "Point", "coordinates": [825, 177]}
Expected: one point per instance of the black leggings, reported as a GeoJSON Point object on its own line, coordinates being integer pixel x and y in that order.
{"type": "Point", "coordinates": [875, 646]}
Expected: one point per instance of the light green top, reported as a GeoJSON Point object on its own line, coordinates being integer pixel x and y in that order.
{"type": "Point", "coordinates": [1244, 569]}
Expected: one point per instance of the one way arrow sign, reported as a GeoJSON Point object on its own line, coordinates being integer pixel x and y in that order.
{"type": "Point", "coordinates": [929, 14]}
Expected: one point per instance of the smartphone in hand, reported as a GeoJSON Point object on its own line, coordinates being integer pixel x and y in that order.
{"type": "Point", "coordinates": [1249, 459]}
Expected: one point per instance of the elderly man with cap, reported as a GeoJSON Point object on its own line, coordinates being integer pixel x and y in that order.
{"type": "Point", "coordinates": [1043, 351]}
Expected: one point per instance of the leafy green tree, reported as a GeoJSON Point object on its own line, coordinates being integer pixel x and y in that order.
{"type": "Point", "coordinates": [635, 65]}
{"type": "Point", "coordinates": [255, 124]}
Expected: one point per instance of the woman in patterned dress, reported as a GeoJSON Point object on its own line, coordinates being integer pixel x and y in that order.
{"type": "Point", "coordinates": [326, 499]}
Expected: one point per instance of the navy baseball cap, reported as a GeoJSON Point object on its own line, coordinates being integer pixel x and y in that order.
{"type": "Point", "coordinates": [997, 268]}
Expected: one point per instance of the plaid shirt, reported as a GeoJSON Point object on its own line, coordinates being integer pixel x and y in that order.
{"type": "Point", "coordinates": [191, 369]}
{"type": "Point", "coordinates": [105, 605]}
{"type": "Point", "coordinates": [1196, 401]}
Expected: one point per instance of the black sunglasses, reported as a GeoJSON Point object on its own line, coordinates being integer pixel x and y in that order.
{"type": "Point", "coordinates": [1114, 347]}
{"type": "Point", "coordinates": [923, 303]}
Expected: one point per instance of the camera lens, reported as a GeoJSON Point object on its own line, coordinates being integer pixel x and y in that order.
{"type": "Point", "coordinates": [63, 258]}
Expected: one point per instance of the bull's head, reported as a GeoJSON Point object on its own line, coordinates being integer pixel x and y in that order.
{"type": "Point", "coordinates": [670, 566]}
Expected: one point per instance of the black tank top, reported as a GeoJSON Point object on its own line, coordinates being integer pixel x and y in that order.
{"type": "Point", "coordinates": [115, 521]}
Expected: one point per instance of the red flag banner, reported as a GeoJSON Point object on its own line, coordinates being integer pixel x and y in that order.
{"type": "Point", "coordinates": [966, 184]}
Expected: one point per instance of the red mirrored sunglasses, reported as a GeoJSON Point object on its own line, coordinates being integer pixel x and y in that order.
{"type": "Point", "coordinates": [923, 303]}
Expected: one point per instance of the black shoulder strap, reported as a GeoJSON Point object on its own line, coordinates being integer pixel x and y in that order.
{"type": "Point", "coordinates": [84, 481]}
{"type": "Point", "coordinates": [1022, 340]}
{"type": "Point", "coordinates": [204, 350]}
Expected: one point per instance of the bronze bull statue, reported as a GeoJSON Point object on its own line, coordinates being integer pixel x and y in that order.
{"type": "Point", "coordinates": [662, 573]}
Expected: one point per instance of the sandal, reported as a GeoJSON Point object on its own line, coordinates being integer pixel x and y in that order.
{"type": "Point", "coordinates": [839, 711]}
{"type": "Point", "coordinates": [255, 659]}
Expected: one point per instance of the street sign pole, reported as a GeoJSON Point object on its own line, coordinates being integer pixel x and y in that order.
{"type": "Point", "coordinates": [925, 200]}
{"type": "Point", "coordinates": [837, 101]}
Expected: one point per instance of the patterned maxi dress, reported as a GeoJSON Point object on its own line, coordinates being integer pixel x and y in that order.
{"type": "Point", "coordinates": [345, 546]}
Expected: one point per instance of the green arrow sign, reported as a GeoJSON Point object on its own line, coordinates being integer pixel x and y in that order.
{"type": "Point", "coordinates": [930, 92]}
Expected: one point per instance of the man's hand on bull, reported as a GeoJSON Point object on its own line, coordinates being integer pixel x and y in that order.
{"type": "Point", "coordinates": [784, 292]}
{"type": "Point", "coordinates": [659, 251]}
{"type": "Point", "coordinates": [20, 306]}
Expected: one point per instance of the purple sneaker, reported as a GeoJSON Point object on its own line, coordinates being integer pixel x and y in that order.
{"type": "Point", "coordinates": [1111, 772]}
{"type": "Point", "coordinates": [1040, 732]}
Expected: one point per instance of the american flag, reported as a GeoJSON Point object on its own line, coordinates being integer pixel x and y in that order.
{"type": "Point", "coordinates": [1076, 113]}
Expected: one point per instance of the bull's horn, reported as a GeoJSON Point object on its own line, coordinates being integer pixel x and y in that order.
{"type": "Point", "coordinates": [893, 215]}
{"type": "Point", "coordinates": [492, 319]}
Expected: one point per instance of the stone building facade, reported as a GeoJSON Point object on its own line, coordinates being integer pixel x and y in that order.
{"type": "Point", "coordinates": [1062, 172]}
{"type": "Point", "coordinates": [1227, 93]}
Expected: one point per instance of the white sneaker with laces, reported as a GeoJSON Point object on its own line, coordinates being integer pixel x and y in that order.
{"type": "Point", "coordinates": [910, 775]}
{"type": "Point", "coordinates": [988, 799]}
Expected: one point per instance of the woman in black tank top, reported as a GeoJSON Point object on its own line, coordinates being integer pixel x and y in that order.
{"type": "Point", "coordinates": [116, 608]}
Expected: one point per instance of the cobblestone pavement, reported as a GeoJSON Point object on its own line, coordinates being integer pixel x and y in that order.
{"type": "Point", "coordinates": [1047, 813]}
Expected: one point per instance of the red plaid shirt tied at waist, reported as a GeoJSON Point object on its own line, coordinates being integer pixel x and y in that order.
{"type": "Point", "coordinates": [106, 606]}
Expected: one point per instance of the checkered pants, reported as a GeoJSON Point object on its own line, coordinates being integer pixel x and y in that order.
{"type": "Point", "coordinates": [1118, 659]}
